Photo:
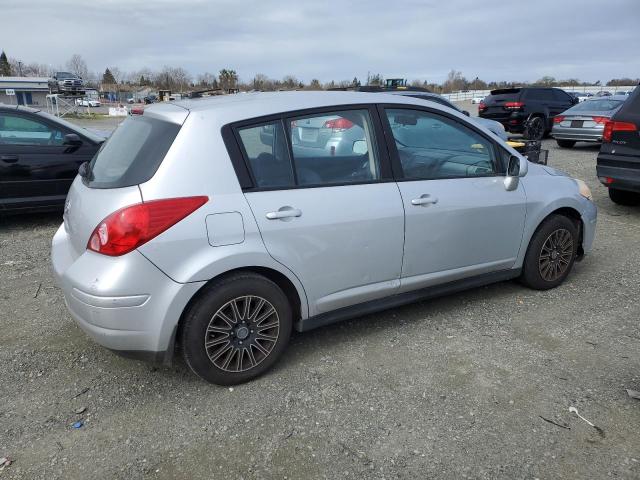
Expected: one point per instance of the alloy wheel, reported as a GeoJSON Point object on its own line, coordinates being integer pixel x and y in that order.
{"type": "Point", "coordinates": [555, 255]}
{"type": "Point", "coordinates": [242, 333]}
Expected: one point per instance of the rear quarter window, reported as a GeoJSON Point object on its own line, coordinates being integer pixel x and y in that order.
{"type": "Point", "coordinates": [133, 153]}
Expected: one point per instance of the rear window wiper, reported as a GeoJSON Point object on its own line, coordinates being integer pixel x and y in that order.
{"type": "Point", "coordinates": [85, 171]}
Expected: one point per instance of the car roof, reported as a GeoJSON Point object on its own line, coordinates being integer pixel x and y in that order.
{"type": "Point", "coordinates": [250, 105]}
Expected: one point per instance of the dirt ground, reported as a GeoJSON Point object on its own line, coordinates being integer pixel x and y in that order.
{"type": "Point", "coordinates": [465, 386]}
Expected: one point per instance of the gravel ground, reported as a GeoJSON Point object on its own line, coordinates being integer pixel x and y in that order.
{"type": "Point", "coordinates": [451, 388]}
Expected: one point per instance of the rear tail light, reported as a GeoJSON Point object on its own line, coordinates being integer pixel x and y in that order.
{"type": "Point", "coordinates": [600, 119]}
{"type": "Point", "coordinates": [132, 226]}
{"type": "Point", "coordinates": [612, 126]}
{"type": "Point", "coordinates": [513, 105]}
{"type": "Point", "coordinates": [482, 106]}
{"type": "Point", "coordinates": [558, 119]}
{"type": "Point", "coordinates": [606, 180]}
{"type": "Point", "coordinates": [338, 124]}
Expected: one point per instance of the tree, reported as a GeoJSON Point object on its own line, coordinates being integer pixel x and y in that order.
{"type": "Point", "coordinates": [108, 77]}
{"type": "Point", "coordinates": [546, 81]}
{"type": "Point", "coordinates": [454, 82]}
{"type": "Point", "coordinates": [315, 84]}
{"type": "Point", "coordinates": [290, 82]}
{"type": "Point", "coordinates": [355, 82]}
{"type": "Point", "coordinates": [5, 68]}
{"type": "Point", "coordinates": [207, 80]}
{"type": "Point", "coordinates": [77, 65]}
{"type": "Point", "coordinates": [375, 79]}
{"type": "Point", "coordinates": [228, 79]}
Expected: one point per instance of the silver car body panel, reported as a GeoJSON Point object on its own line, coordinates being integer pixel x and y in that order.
{"type": "Point", "coordinates": [349, 245]}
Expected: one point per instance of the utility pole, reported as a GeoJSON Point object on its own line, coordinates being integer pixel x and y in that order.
{"type": "Point", "coordinates": [19, 68]}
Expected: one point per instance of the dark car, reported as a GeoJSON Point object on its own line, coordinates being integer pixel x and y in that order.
{"type": "Point", "coordinates": [39, 158]}
{"type": "Point", "coordinates": [618, 165]}
{"type": "Point", "coordinates": [66, 83]}
{"type": "Point", "coordinates": [516, 107]}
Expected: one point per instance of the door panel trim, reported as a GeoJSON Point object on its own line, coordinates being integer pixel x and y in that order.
{"type": "Point", "coordinates": [393, 301]}
{"type": "Point", "coordinates": [355, 295]}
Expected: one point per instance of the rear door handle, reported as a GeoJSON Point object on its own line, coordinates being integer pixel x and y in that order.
{"type": "Point", "coordinates": [424, 200]}
{"type": "Point", "coordinates": [284, 212]}
{"type": "Point", "coordinates": [9, 158]}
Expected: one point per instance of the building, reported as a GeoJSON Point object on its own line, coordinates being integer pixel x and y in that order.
{"type": "Point", "coordinates": [28, 90]}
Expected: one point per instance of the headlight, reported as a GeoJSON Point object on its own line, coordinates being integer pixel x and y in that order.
{"type": "Point", "coordinates": [584, 190]}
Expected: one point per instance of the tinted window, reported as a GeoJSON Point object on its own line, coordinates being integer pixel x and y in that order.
{"type": "Point", "coordinates": [542, 94]}
{"type": "Point", "coordinates": [336, 147]}
{"type": "Point", "coordinates": [431, 146]}
{"type": "Point", "coordinates": [562, 96]}
{"type": "Point", "coordinates": [19, 130]}
{"type": "Point", "coordinates": [440, 100]}
{"type": "Point", "coordinates": [133, 153]}
{"type": "Point", "coordinates": [265, 148]}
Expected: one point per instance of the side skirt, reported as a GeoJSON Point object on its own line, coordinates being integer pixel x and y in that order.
{"type": "Point", "coordinates": [393, 301]}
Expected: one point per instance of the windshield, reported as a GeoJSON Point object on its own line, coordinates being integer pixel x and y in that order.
{"type": "Point", "coordinates": [133, 153]}
{"type": "Point", "coordinates": [601, 105]}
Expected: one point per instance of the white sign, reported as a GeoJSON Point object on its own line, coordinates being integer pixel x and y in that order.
{"type": "Point", "coordinates": [10, 91]}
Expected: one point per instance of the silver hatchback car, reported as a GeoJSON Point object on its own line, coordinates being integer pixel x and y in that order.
{"type": "Point", "coordinates": [192, 227]}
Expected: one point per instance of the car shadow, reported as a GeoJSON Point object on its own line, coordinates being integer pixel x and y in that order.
{"type": "Point", "coordinates": [26, 220]}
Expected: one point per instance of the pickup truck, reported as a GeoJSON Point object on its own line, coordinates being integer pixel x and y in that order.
{"type": "Point", "coordinates": [66, 83]}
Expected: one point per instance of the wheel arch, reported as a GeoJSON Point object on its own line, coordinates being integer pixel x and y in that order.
{"type": "Point", "coordinates": [570, 213]}
{"type": "Point", "coordinates": [297, 302]}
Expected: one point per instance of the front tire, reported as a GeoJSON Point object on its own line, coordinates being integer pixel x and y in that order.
{"type": "Point", "coordinates": [237, 329]}
{"type": "Point", "coordinates": [624, 197]}
{"type": "Point", "coordinates": [566, 143]}
{"type": "Point", "coordinates": [551, 253]}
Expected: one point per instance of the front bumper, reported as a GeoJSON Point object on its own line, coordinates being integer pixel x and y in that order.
{"type": "Point", "coordinates": [124, 303]}
{"type": "Point", "coordinates": [589, 221]}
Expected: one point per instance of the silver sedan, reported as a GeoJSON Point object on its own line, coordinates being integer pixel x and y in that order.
{"type": "Point", "coordinates": [585, 121]}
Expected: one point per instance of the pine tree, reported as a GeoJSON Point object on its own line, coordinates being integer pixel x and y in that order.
{"type": "Point", "coordinates": [5, 68]}
{"type": "Point", "coordinates": [108, 77]}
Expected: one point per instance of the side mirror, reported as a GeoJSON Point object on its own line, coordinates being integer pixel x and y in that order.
{"type": "Point", "coordinates": [465, 112]}
{"type": "Point", "coordinates": [518, 167]}
{"type": "Point", "coordinates": [360, 147]}
{"type": "Point", "coordinates": [72, 140]}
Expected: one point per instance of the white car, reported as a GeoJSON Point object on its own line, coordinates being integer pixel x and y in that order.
{"type": "Point", "coordinates": [84, 102]}
{"type": "Point", "coordinates": [476, 100]}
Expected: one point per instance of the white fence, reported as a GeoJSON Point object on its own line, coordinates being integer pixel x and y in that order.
{"type": "Point", "coordinates": [468, 95]}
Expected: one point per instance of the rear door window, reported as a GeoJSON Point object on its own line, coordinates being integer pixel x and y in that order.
{"type": "Point", "coordinates": [334, 148]}
{"type": "Point", "coordinates": [541, 94]}
{"type": "Point", "coordinates": [133, 153]}
{"type": "Point", "coordinates": [266, 150]}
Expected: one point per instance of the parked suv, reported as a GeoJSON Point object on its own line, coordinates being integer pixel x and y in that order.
{"type": "Point", "coordinates": [66, 83]}
{"type": "Point", "coordinates": [618, 165]}
{"type": "Point", "coordinates": [513, 106]}
{"type": "Point", "coordinates": [187, 227]}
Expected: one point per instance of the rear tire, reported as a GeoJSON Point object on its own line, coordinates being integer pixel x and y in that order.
{"type": "Point", "coordinates": [623, 197]}
{"type": "Point", "coordinates": [536, 129]}
{"type": "Point", "coordinates": [551, 253]}
{"type": "Point", "coordinates": [566, 143]}
{"type": "Point", "coordinates": [237, 329]}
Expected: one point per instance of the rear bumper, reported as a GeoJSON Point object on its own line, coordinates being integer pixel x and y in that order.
{"type": "Point", "coordinates": [623, 171]}
{"type": "Point", "coordinates": [578, 134]}
{"type": "Point", "coordinates": [123, 303]}
{"type": "Point", "coordinates": [512, 122]}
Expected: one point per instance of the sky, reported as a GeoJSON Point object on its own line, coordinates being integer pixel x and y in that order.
{"type": "Point", "coordinates": [328, 40]}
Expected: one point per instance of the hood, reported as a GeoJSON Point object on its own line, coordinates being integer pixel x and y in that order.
{"type": "Point", "coordinates": [554, 171]}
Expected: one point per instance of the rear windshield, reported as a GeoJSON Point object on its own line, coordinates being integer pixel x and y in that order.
{"type": "Point", "coordinates": [603, 105]}
{"type": "Point", "coordinates": [132, 154]}
{"type": "Point", "coordinates": [503, 94]}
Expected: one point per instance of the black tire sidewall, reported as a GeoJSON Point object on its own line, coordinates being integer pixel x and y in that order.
{"type": "Point", "coordinates": [531, 273]}
{"type": "Point", "coordinates": [215, 296]}
{"type": "Point", "coordinates": [623, 197]}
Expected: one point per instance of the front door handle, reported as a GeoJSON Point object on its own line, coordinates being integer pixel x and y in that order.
{"type": "Point", "coordinates": [9, 158]}
{"type": "Point", "coordinates": [284, 212]}
{"type": "Point", "coordinates": [425, 199]}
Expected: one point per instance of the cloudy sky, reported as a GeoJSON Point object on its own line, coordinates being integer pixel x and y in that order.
{"type": "Point", "coordinates": [494, 40]}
